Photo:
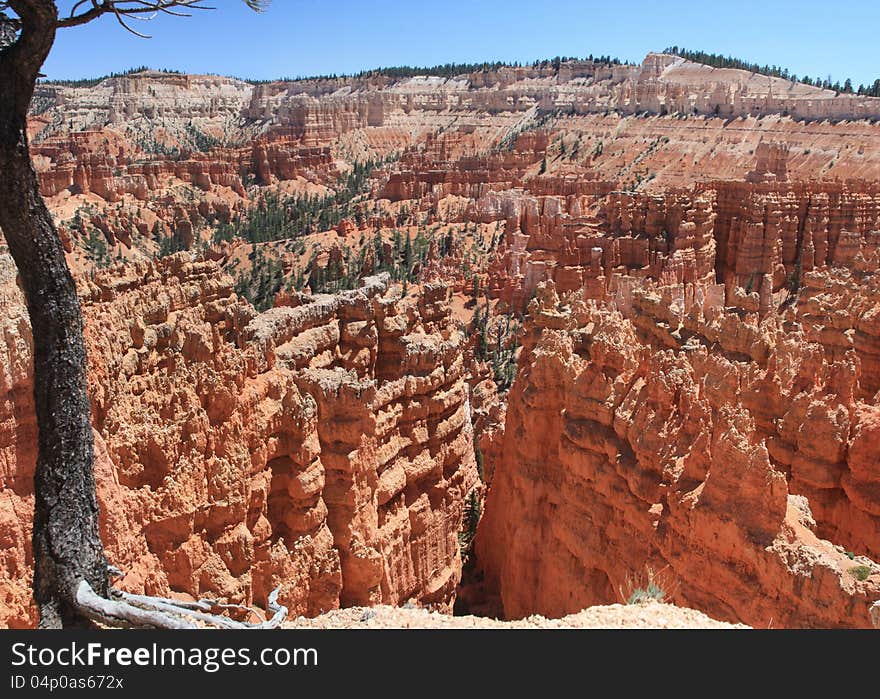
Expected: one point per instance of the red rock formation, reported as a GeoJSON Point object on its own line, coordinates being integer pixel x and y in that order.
{"type": "Point", "coordinates": [583, 241]}
{"type": "Point", "coordinates": [673, 459]}
{"type": "Point", "coordinates": [760, 238]}
{"type": "Point", "coordinates": [772, 163]}
{"type": "Point", "coordinates": [74, 163]}
{"type": "Point", "coordinates": [426, 171]}
{"type": "Point", "coordinates": [781, 230]}
{"type": "Point", "coordinates": [237, 452]}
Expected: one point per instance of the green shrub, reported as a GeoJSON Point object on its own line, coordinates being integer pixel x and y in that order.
{"type": "Point", "coordinates": [653, 592]}
{"type": "Point", "coordinates": [860, 573]}
{"type": "Point", "coordinates": [96, 248]}
{"type": "Point", "coordinates": [650, 586]}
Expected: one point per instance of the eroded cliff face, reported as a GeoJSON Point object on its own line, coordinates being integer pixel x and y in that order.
{"type": "Point", "coordinates": [323, 447]}
{"type": "Point", "coordinates": [86, 163]}
{"type": "Point", "coordinates": [701, 402]}
{"type": "Point", "coordinates": [318, 108]}
{"type": "Point", "coordinates": [730, 449]}
{"type": "Point", "coordinates": [753, 238]}
{"type": "Point", "coordinates": [135, 162]}
{"type": "Point", "coordinates": [137, 134]}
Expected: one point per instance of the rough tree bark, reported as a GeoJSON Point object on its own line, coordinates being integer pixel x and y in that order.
{"type": "Point", "coordinates": [66, 541]}
{"type": "Point", "coordinates": [71, 574]}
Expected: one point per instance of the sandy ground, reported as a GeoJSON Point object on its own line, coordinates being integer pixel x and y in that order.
{"type": "Point", "coordinates": [650, 615]}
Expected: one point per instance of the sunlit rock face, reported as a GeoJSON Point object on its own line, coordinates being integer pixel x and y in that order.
{"type": "Point", "coordinates": [324, 448]}
{"type": "Point", "coordinates": [721, 443]}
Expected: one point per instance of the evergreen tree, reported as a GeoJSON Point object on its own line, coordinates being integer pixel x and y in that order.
{"type": "Point", "coordinates": [719, 61]}
{"type": "Point", "coordinates": [407, 258]}
{"type": "Point", "coordinates": [96, 248]}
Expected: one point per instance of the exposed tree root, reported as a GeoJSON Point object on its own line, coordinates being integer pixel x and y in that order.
{"type": "Point", "coordinates": [126, 610]}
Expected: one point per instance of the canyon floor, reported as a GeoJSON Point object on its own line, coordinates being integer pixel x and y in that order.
{"type": "Point", "coordinates": [517, 343]}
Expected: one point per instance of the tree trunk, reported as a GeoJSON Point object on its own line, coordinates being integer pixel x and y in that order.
{"type": "Point", "coordinates": [66, 540]}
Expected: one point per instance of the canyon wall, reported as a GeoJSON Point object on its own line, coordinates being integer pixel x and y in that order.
{"type": "Point", "coordinates": [82, 164]}
{"type": "Point", "coordinates": [708, 391]}
{"type": "Point", "coordinates": [726, 443]}
{"type": "Point", "coordinates": [325, 447]}
{"type": "Point", "coordinates": [156, 113]}
{"type": "Point", "coordinates": [760, 238]}
{"type": "Point", "coordinates": [317, 108]}
{"type": "Point", "coordinates": [150, 155]}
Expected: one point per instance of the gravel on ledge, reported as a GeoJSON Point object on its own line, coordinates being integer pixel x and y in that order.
{"type": "Point", "coordinates": [650, 615]}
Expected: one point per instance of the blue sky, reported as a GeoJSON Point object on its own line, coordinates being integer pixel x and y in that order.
{"type": "Point", "coordinates": [298, 38]}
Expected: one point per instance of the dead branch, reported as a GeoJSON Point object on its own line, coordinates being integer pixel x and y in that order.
{"type": "Point", "coordinates": [85, 11]}
{"type": "Point", "coordinates": [126, 610]}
